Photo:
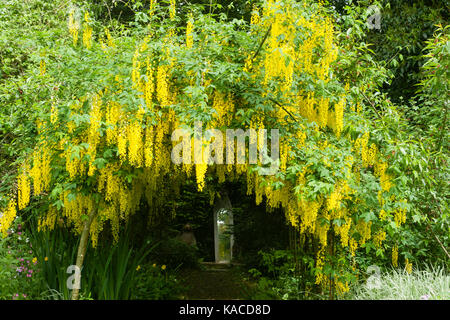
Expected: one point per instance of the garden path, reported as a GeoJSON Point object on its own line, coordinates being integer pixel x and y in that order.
{"type": "Point", "coordinates": [216, 282]}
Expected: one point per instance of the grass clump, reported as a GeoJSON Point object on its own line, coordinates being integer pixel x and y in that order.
{"type": "Point", "coordinates": [431, 283]}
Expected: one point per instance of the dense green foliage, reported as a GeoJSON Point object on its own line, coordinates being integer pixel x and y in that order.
{"type": "Point", "coordinates": [398, 76]}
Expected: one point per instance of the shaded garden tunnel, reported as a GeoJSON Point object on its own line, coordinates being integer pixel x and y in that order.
{"type": "Point", "coordinates": [254, 229]}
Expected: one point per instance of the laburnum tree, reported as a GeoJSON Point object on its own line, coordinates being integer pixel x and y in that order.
{"type": "Point", "coordinates": [104, 143]}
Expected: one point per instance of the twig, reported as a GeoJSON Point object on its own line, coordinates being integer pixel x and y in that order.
{"type": "Point", "coordinates": [4, 137]}
{"type": "Point", "coordinates": [109, 11]}
{"type": "Point", "coordinates": [440, 243]}
{"type": "Point", "coordinates": [287, 111]}
{"type": "Point", "coordinates": [371, 104]}
{"type": "Point", "coordinates": [435, 236]}
{"type": "Point", "coordinates": [262, 42]}
{"type": "Point", "coordinates": [387, 63]}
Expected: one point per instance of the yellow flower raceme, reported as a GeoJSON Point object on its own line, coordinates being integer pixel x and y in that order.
{"type": "Point", "coordinates": [382, 214]}
{"type": "Point", "coordinates": [152, 7]}
{"type": "Point", "coordinates": [162, 86]}
{"type": "Point", "coordinates": [74, 26]}
{"type": "Point", "coordinates": [255, 18]}
{"type": "Point", "coordinates": [8, 216]}
{"type": "Point", "coordinates": [339, 111]}
{"type": "Point", "coordinates": [189, 30]}
{"type": "Point", "coordinates": [172, 9]}
{"type": "Point", "coordinates": [149, 84]}
{"type": "Point", "coordinates": [148, 146]}
{"type": "Point", "coordinates": [87, 31]}
{"type": "Point", "coordinates": [395, 255]}
{"type": "Point", "coordinates": [385, 179]}
{"type": "Point", "coordinates": [353, 245]}
{"type": "Point", "coordinates": [24, 189]}
{"type": "Point", "coordinates": [136, 144]}
{"type": "Point", "coordinates": [379, 237]}
{"type": "Point", "coordinates": [408, 266]}
{"type": "Point", "coordinates": [320, 262]}
{"type": "Point", "coordinates": [110, 38]}
{"type": "Point", "coordinates": [42, 67]}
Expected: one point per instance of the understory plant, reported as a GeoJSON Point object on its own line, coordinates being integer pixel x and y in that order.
{"type": "Point", "coordinates": [156, 282]}
{"type": "Point", "coordinates": [107, 103]}
{"type": "Point", "coordinates": [108, 273]}
{"type": "Point", "coordinates": [20, 269]}
{"type": "Point", "coordinates": [430, 283]}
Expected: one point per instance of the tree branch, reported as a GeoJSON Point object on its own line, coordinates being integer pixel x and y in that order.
{"type": "Point", "coordinates": [287, 111]}
{"type": "Point", "coordinates": [371, 104]}
{"type": "Point", "coordinates": [262, 42]}
{"type": "Point", "coordinates": [435, 236]}
{"type": "Point", "coordinates": [82, 247]}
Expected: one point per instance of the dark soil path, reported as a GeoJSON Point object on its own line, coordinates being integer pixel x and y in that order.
{"type": "Point", "coordinates": [216, 282]}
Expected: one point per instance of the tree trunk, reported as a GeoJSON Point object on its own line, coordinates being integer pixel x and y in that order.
{"type": "Point", "coordinates": [82, 247]}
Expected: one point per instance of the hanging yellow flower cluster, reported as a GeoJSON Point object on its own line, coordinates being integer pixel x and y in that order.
{"type": "Point", "coordinates": [400, 216]}
{"type": "Point", "coordinates": [364, 229]}
{"type": "Point", "coordinates": [362, 149]}
{"type": "Point", "coordinates": [339, 116]}
{"type": "Point", "coordinates": [87, 31]}
{"type": "Point", "coordinates": [74, 26]}
{"type": "Point", "coordinates": [137, 137]}
{"type": "Point", "coordinates": [135, 73]}
{"type": "Point", "coordinates": [378, 238]}
{"type": "Point", "coordinates": [135, 147]}
{"type": "Point", "coordinates": [23, 188]}
{"type": "Point", "coordinates": [395, 256]}
{"type": "Point", "coordinates": [109, 38]}
{"type": "Point", "coordinates": [320, 262]}
{"type": "Point", "coordinates": [189, 30]}
{"type": "Point", "coordinates": [343, 230]}
{"type": "Point", "coordinates": [95, 117]}
{"type": "Point", "coordinates": [385, 179]}
{"type": "Point", "coordinates": [255, 18]}
{"type": "Point", "coordinates": [341, 287]}
{"type": "Point", "coordinates": [152, 7]}
{"type": "Point", "coordinates": [279, 61]}
{"type": "Point", "coordinates": [224, 106]}
{"type": "Point", "coordinates": [382, 215]}
{"type": "Point", "coordinates": [172, 9]}
{"type": "Point", "coordinates": [353, 245]}
{"type": "Point", "coordinates": [280, 22]}
{"type": "Point", "coordinates": [162, 89]}
{"type": "Point", "coordinates": [408, 266]}
{"type": "Point", "coordinates": [8, 216]}
{"type": "Point", "coordinates": [201, 168]}
{"type": "Point", "coordinates": [40, 173]}
{"type": "Point", "coordinates": [42, 67]}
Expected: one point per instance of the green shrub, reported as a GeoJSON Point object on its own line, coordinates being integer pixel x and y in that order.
{"type": "Point", "coordinates": [19, 268]}
{"type": "Point", "coordinates": [154, 282]}
{"type": "Point", "coordinates": [108, 272]}
{"type": "Point", "coordinates": [56, 250]}
{"type": "Point", "coordinates": [278, 279]}
{"type": "Point", "coordinates": [175, 254]}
